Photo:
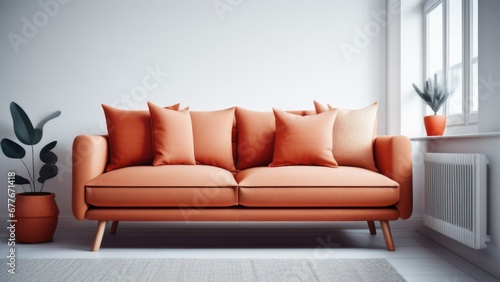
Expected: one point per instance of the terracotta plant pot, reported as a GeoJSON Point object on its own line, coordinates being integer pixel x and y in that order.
{"type": "Point", "coordinates": [435, 125]}
{"type": "Point", "coordinates": [36, 215]}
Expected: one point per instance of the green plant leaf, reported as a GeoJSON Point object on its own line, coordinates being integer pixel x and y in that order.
{"type": "Point", "coordinates": [434, 94]}
{"type": "Point", "coordinates": [47, 171]}
{"type": "Point", "coordinates": [39, 128]}
{"type": "Point", "coordinates": [38, 136]}
{"type": "Point", "coordinates": [19, 180]}
{"type": "Point", "coordinates": [46, 119]}
{"type": "Point", "coordinates": [49, 158]}
{"type": "Point", "coordinates": [23, 128]}
{"type": "Point", "coordinates": [12, 150]}
{"type": "Point", "coordinates": [46, 155]}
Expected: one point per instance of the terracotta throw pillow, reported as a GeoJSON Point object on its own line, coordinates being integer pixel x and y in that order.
{"type": "Point", "coordinates": [130, 137]}
{"type": "Point", "coordinates": [304, 140]}
{"type": "Point", "coordinates": [212, 134]}
{"type": "Point", "coordinates": [172, 136]}
{"type": "Point", "coordinates": [255, 138]}
{"type": "Point", "coordinates": [354, 132]}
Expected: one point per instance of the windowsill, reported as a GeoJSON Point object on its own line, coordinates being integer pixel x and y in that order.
{"type": "Point", "coordinates": [456, 136]}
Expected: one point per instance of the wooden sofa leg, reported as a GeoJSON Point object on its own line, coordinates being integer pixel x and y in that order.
{"type": "Point", "coordinates": [371, 227]}
{"type": "Point", "coordinates": [101, 226]}
{"type": "Point", "coordinates": [114, 226]}
{"type": "Point", "coordinates": [386, 229]}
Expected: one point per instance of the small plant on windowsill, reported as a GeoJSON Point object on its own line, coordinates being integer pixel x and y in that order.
{"type": "Point", "coordinates": [434, 95]}
{"type": "Point", "coordinates": [35, 211]}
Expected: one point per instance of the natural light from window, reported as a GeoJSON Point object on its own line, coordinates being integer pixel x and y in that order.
{"type": "Point", "coordinates": [451, 51]}
{"type": "Point", "coordinates": [474, 105]}
{"type": "Point", "coordinates": [455, 69]}
{"type": "Point", "coordinates": [435, 40]}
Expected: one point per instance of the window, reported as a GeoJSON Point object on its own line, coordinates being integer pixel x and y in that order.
{"type": "Point", "coordinates": [451, 51]}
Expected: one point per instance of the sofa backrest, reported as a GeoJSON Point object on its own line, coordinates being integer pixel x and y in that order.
{"type": "Point", "coordinates": [235, 132]}
{"type": "Point", "coordinates": [234, 140]}
{"type": "Point", "coordinates": [252, 137]}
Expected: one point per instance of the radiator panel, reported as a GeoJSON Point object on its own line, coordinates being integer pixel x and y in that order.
{"type": "Point", "coordinates": [455, 196]}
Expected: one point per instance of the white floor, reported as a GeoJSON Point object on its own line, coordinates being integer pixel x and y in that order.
{"type": "Point", "coordinates": [417, 258]}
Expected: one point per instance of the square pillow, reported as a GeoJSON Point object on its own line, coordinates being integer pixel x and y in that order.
{"type": "Point", "coordinates": [130, 137]}
{"type": "Point", "coordinates": [172, 136]}
{"type": "Point", "coordinates": [255, 138]}
{"type": "Point", "coordinates": [303, 140]}
{"type": "Point", "coordinates": [212, 134]}
{"type": "Point", "coordinates": [354, 133]}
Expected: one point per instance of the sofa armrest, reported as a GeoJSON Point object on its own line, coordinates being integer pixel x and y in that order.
{"type": "Point", "coordinates": [394, 159]}
{"type": "Point", "coordinates": [90, 157]}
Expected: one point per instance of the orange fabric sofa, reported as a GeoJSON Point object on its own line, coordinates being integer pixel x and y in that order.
{"type": "Point", "coordinates": [254, 191]}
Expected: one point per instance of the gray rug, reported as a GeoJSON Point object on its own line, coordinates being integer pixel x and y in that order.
{"type": "Point", "coordinates": [164, 269]}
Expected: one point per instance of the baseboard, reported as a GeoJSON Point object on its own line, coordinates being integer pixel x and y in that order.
{"type": "Point", "coordinates": [478, 258]}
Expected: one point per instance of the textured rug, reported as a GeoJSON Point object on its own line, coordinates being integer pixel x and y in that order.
{"type": "Point", "coordinates": [164, 269]}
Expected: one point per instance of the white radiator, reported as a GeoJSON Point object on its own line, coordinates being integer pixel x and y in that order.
{"type": "Point", "coordinates": [455, 196]}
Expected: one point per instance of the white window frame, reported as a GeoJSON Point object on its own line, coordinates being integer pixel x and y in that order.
{"type": "Point", "coordinates": [467, 117]}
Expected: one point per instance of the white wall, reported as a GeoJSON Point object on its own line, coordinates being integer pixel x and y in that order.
{"type": "Point", "coordinates": [412, 70]}
{"type": "Point", "coordinates": [257, 54]}
{"type": "Point", "coordinates": [405, 56]}
{"type": "Point", "coordinates": [489, 65]}
{"type": "Point", "coordinates": [394, 59]}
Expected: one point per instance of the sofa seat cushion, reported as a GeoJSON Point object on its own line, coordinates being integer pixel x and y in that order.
{"type": "Point", "coordinates": [315, 186]}
{"type": "Point", "coordinates": [163, 186]}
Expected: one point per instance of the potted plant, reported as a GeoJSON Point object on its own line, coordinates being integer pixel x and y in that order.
{"type": "Point", "coordinates": [435, 95]}
{"type": "Point", "coordinates": [36, 211]}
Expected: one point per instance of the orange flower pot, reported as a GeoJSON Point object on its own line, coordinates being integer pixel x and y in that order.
{"type": "Point", "coordinates": [36, 215]}
{"type": "Point", "coordinates": [435, 125]}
